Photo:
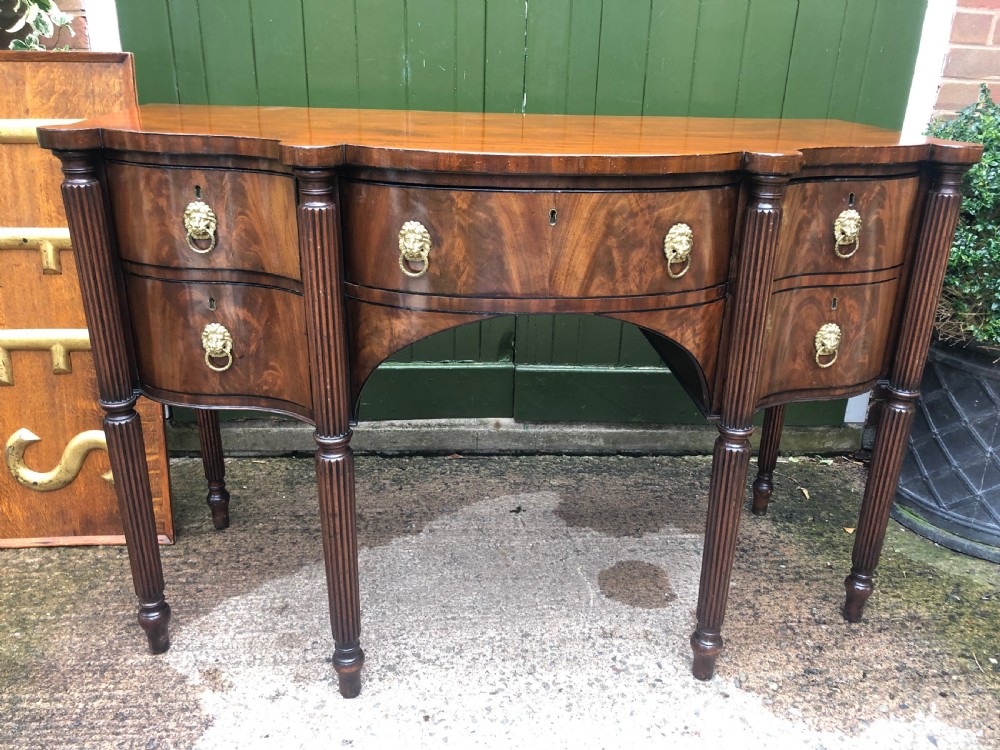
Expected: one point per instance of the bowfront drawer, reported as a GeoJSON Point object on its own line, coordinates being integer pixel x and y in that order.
{"type": "Point", "coordinates": [218, 219]}
{"type": "Point", "coordinates": [241, 342]}
{"type": "Point", "coordinates": [827, 338]}
{"type": "Point", "coordinates": [536, 244]}
{"type": "Point", "coordinates": [844, 226]}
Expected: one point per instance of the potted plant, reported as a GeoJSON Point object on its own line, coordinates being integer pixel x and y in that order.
{"type": "Point", "coordinates": [949, 488]}
{"type": "Point", "coordinates": [24, 23]}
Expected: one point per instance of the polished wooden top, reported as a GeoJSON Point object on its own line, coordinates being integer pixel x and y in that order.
{"type": "Point", "coordinates": [505, 143]}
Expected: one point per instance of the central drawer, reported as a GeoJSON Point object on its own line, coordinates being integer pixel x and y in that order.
{"type": "Point", "coordinates": [538, 244]}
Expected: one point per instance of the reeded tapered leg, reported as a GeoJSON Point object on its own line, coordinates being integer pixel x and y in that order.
{"type": "Point", "coordinates": [731, 457]}
{"type": "Point", "coordinates": [335, 475]}
{"type": "Point", "coordinates": [767, 458]}
{"type": "Point", "coordinates": [83, 196]}
{"type": "Point", "coordinates": [730, 462]}
{"type": "Point", "coordinates": [928, 266]}
{"type": "Point", "coordinates": [887, 459]}
{"type": "Point", "coordinates": [319, 244]}
{"type": "Point", "coordinates": [210, 438]}
{"type": "Point", "coordinates": [127, 452]}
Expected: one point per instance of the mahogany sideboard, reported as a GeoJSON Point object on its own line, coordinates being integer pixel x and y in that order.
{"type": "Point", "coordinates": [271, 258]}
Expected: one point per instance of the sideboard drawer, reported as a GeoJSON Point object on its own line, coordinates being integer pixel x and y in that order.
{"type": "Point", "coordinates": [538, 244]}
{"type": "Point", "coordinates": [796, 360]}
{"type": "Point", "coordinates": [254, 218]}
{"type": "Point", "coordinates": [267, 331]}
{"type": "Point", "coordinates": [810, 212]}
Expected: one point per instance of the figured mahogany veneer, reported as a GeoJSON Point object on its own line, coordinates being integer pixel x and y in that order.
{"type": "Point", "coordinates": [537, 244]}
{"type": "Point", "coordinates": [526, 214]}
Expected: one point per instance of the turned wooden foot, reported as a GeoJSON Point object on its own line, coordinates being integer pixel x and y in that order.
{"type": "Point", "coordinates": [210, 438]}
{"type": "Point", "coordinates": [706, 648]}
{"type": "Point", "coordinates": [348, 660]}
{"type": "Point", "coordinates": [767, 458]}
{"type": "Point", "coordinates": [859, 588]}
{"type": "Point", "coordinates": [154, 620]}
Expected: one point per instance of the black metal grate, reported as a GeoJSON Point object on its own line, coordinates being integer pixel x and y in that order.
{"type": "Point", "coordinates": [949, 487]}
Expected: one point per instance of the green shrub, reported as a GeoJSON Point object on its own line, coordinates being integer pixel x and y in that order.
{"type": "Point", "coordinates": [970, 302]}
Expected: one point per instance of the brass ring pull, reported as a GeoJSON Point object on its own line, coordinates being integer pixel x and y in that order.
{"type": "Point", "coordinates": [846, 232]}
{"type": "Point", "coordinates": [414, 248]}
{"type": "Point", "coordinates": [677, 247]}
{"type": "Point", "coordinates": [218, 344]}
{"type": "Point", "coordinates": [827, 344]}
{"type": "Point", "coordinates": [200, 224]}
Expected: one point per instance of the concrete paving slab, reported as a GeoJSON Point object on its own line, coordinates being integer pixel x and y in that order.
{"type": "Point", "coordinates": [508, 602]}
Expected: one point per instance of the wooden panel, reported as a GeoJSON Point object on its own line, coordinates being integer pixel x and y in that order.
{"type": "Point", "coordinates": [621, 78]}
{"type": "Point", "coordinates": [279, 52]}
{"type": "Point", "coordinates": [331, 49]}
{"type": "Point", "coordinates": [151, 230]}
{"type": "Point", "coordinates": [506, 26]}
{"type": "Point", "coordinates": [267, 327]}
{"type": "Point", "coordinates": [478, 241]}
{"type": "Point", "coordinates": [673, 32]}
{"type": "Point", "coordinates": [382, 63]}
{"type": "Point", "coordinates": [54, 405]}
{"type": "Point", "coordinates": [189, 59]}
{"type": "Point", "coordinates": [228, 51]}
{"type": "Point", "coordinates": [865, 316]}
{"type": "Point", "coordinates": [814, 55]}
{"type": "Point", "coordinates": [767, 46]}
{"type": "Point", "coordinates": [811, 208]}
{"type": "Point", "coordinates": [147, 32]}
{"type": "Point", "coordinates": [431, 37]}
{"type": "Point", "coordinates": [718, 51]}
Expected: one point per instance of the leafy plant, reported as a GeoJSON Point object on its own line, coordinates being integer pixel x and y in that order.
{"type": "Point", "coordinates": [970, 304]}
{"type": "Point", "coordinates": [44, 19]}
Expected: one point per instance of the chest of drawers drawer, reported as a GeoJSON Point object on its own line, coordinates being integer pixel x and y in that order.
{"type": "Point", "coordinates": [829, 338]}
{"type": "Point", "coordinates": [218, 219]}
{"type": "Point", "coordinates": [537, 244]}
{"type": "Point", "coordinates": [234, 343]}
{"type": "Point", "coordinates": [844, 226]}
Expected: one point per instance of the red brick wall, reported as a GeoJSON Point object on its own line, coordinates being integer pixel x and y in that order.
{"type": "Point", "coordinates": [80, 39]}
{"type": "Point", "coordinates": [973, 56]}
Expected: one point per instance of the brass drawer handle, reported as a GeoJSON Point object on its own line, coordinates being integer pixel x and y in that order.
{"type": "Point", "coordinates": [827, 344]}
{"type": "Point", "coordinates": [218, 344]}
{"type": "Point", "coordinates": [414, 248]}
{"type": "Point", "coordinates": [200, 224]}
{"type": "Point", "coordinates": [847, 232]}
{"type": "Point", "coordinates": [677, 247]}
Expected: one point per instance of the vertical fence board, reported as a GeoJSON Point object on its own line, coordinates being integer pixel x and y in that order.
{"type": "Point", "coordinates": [189, 61]}
{"type": "Point", "coordinates": [279, 52]}
{"type": "Point", "coordinates": [470, 55]}
{"type": "Point", "coordinates": [145, 30]}
{"type": "Point", "coordinates": [718, 50]}
{"type": "Point", "coordinates": [852, 57]}
{"type": "Point", "coordinates": [506, 26]}
{"type": "Point", "coordinates": [673, 29]}
{"type": "Point", "coordinates": [583, 56]}
{"type": "Point", "coordinates": [546, 60]}
{"type": "Point", "coordinates": [621, 77]}
{"type": "Point", "coordinates": [764, 67]}
{"type": "Point", "coordinates": [889, 67]}
{"type": "Point", "coordinates": [382, 73]}
{"type": "Point", "coordinates": [331, 50]}
{"type": "Point", "coordinates": [813, 61]}
{"type": "Point", "coordinates": [227, 44]}
{"type": "Point", "coordinates": [431, 54]}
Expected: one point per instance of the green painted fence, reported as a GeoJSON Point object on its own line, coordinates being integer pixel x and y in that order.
{"type": "Point", "coordinates": [846, 59]}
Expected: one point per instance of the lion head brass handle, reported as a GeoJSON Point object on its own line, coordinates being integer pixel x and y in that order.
{"type": "Point", "coordinates": [827, 344]}
{"type": "Point", "coordinates": [414, 249]}
{"type": "Point", "coordinates": [218, 344]}
{"type": "Point", "coordinates": [200, 224]}
{"type": "Point", "coordinates": [847, 232]}
{"type": "Point", "coordinates": [677, 246]}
